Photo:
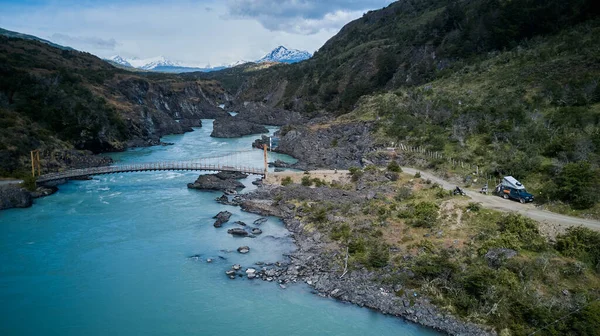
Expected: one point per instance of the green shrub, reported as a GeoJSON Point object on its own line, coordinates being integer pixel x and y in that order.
{"type": "Point", "coordinates": [318, 182]}
{"type": "Point", "coordinates": [425, 214]}
{"type": "Point", "coordinates": [286, 181]}
{"type": "Point", "coordinates": [379, 255]}
{"type": "Point", "coordinates": [525, 231]}
{"type": "Point", "coordinates": [341, 233]}
{"type": "Point", "coordinates": [418, 175]}
{"type": "Point", "coordinates": [474, 206]}
{"type": "Point", "coordinates": [587, 321]}
{"type": "Point", "coordinates": [318, 215]}
{"type": "Point", "coordinates": [356, 173]}
{"type": "Point", "coordinates": [371, 168]}
{"type": "Point", "coordinates": [393, 166]}
{"type": "Point", "coordinates": [29, 183]}
{"type": "Point", "coordinates": [578, 185]}
{"type": "Point", "coordinates": [433, 265]}
{"type": "Point", "coordinates": [581, 243]}
{"type": "Point", "coordinates": [307, 181]}
{"type": "Point", "coordinates": [403, 194]}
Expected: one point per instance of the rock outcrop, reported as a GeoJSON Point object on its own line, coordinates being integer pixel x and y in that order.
{"type": "Point", "coordinates": [221, 218]}
{"type": "Point", "coordinates": [312, 264]}
{"type": "Point", "coordinates": [238, 232]}
{"type": "Point", "coordinates": [13, 196]}
{"type": "Point", "coordinates": [339, 146]}
{"type": "Point", "coordinates": [234, 127]}
{"type": "Point", "coordinates": [267, 115]}
{"type": "Point", "coordinates": [222, 181]}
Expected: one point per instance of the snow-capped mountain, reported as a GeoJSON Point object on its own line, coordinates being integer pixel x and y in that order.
{"type": "Point", "coordinates": [285, 55]}
{"type": "Point", "coordinates": [280, 54]}
{"type": "Point", "coordinates": [121, 61]}
{"type": "Point", "coordinates": [144, 64]}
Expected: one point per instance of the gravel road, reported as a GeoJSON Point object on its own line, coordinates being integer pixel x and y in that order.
{"type": "Point", "coordinates": [497, 203]}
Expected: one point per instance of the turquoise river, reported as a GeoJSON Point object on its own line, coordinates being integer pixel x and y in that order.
{"type": "Point", "coordinates": [110, 256]}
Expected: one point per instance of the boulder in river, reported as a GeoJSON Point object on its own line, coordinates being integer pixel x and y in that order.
{"type": "Point", "coordinates": [221, 182]}
{"type": "Point", "coordinates": [251, 273]}
{"type": "Point", "coordinates": [222, 217]}
{"type": "Point", "coordinates": [243, 249]}
{"type": "Point", "coordinates": [260, 221]}
{"type": "Point", "coordinates": [238, 232]}
{"type": "Point", "coordinates": [256, 231]}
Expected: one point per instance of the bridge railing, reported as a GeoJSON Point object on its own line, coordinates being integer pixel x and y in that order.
{"type": "Point", "coordinates": [182, 165]}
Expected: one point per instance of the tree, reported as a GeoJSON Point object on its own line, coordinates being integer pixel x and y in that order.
{"type": "Point", "coordinates": [578, 184]}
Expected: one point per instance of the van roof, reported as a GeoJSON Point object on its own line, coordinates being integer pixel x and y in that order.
{"type": "Point", "coordinates": [512, 182]}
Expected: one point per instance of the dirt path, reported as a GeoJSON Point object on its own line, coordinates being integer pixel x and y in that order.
{"type": "Point", "coordinates": [326, 175]}
{"type": "Point", "coordinates": [497, 203]}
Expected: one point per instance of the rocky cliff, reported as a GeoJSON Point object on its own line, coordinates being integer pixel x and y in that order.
{"type": "Point", "coordinates": [338, 145]}
{"type": "Point", "coordinates": [62, 100]}
{"type": "Point", "coordinates": [264, 114]}
{"type": "Point", "coordinates": [235, 127]}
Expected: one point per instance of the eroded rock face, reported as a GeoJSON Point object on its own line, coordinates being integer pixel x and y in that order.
{"type": "Point", "coordinates": [234, 127]}
{"type": "Point", "coordinates": [267, 115]}
{"type": "Point", "coordinates": [12, 196]}
{"type": "Point", "coordinates": [339, 146]}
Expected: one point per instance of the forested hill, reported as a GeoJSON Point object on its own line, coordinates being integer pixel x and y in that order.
{"type": "Point", "coordinates": [408, 43]}
{"type": "Point", "coordinates": [60, 100]}
{"type": "Point", "coordinates": [511, 86]}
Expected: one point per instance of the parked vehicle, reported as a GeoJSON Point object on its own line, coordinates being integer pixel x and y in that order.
{"type": "Point", "coordinates": [459, 191]}
{"type": "Point", "coordinates": [511, 188]}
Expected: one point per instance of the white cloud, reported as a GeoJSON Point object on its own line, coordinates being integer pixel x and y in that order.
{"type": "Point", "coordinates": [185, 31]}
{"type": "Point", "coordinates": [302, 16]}
{"type": "Point", "coordinates": [84, 41]}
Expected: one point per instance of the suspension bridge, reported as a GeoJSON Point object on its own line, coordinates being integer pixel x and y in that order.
{"type": "Point", "coordinates": [232, 162]}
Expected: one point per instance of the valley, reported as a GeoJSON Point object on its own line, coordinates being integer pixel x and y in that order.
{"type": "Point", "coordinates": [476, 90]}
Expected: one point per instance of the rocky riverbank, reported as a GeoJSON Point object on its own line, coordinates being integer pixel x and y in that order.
{"type": "Point", "coordinates": [14, 196]}
{"type": "Point", "coordinates": [321, 265]}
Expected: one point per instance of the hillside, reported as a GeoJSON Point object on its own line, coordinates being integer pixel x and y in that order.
{"type": "Point", "coordinates": [53, 100]}
{"type": "Point", "coordinates": [408, 43]}
{"type": "Point", "coordinates": [477, 81]}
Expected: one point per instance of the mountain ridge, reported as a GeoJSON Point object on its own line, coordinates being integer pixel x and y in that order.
{"type": "Point", "coordinates": [280, 54]}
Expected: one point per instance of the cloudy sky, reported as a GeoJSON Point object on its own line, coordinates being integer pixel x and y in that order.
{"type": "Point", "coordinates": [194, 32]}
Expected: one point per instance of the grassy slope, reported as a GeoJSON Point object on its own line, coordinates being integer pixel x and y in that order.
{"type": "Point", "coordinates": [403, 45]}
{"type": "Point", "coordinates": [435, 245]}
{"type": "Point", "coordinates": [526, 112]}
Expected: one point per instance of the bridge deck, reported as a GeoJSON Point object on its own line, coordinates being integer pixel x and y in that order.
{"type": "Point", "coordinates": [161, 166]}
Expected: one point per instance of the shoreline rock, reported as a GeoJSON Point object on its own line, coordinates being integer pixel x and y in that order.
{"type": "Point", "coordinates": [311, 263]}
{"type": "Point", "coordinates": [13, 196]}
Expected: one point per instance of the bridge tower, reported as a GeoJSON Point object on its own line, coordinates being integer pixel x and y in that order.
{"type": "Point", "coordinates": [266, 160]}
{"type": "Point", "coordinates": [35, 163]}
